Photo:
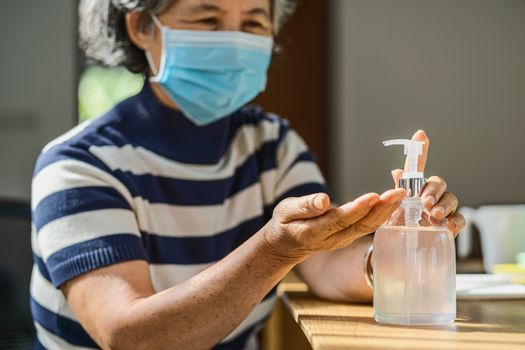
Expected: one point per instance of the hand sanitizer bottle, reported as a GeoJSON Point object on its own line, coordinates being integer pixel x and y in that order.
{"type": "Point", "coordinates": [414, 258]}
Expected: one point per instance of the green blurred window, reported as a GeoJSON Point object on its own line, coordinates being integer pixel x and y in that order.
{"type": "Point", "coordinates": [101, 88]}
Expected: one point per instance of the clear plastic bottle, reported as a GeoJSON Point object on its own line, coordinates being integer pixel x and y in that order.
{"type": "Point", "coordinates": [414, 264]}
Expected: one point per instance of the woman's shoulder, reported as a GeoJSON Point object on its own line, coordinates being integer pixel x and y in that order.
{"type": "Point", "coordinates": [77, 143]}
{"type": "Point", "coordinates": [262, 121]}
{"type": "Point", "coordinates": [255, 113]}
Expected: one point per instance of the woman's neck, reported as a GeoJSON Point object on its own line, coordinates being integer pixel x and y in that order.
{"type": "Point", "coordinates": [163, 97]}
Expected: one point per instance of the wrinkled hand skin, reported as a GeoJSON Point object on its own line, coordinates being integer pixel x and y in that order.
{"type": "Point", "coordinates": [302, 226]}
{"type": "Point", "coordinates": [440, 204]}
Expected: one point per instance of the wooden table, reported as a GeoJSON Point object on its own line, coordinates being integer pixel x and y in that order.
{"type": "Point", "coordinates": [494, 325]}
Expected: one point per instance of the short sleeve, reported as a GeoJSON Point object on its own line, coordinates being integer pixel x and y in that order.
{"type": "Point", "coordinates": [297, 171]}
{"type": "Point", "coordinates": [82, 218]}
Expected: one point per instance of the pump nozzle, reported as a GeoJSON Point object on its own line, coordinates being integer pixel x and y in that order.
{"type": "Point", "coordinates": [412, 179]}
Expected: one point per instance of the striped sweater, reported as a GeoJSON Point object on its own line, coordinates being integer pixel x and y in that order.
{"type": "Point", "coordinates": [143, 182]}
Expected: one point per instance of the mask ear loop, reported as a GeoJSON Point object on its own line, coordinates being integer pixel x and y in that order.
{"type": "Point", "coordinates": [156, 20]}
{"type": "Point", "coordinates": [151, 64]}
{"type": "Point", "coordinates": [149, 59]}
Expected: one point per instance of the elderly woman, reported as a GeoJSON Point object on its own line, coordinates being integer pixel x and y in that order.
{"type": "Point", "coordinates": [167, 222]}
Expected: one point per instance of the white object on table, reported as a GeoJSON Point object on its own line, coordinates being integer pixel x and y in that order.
{"type": "Point", "coordinates": [502, 232]}
{"type": "Point", "coordinates": [489, 287]}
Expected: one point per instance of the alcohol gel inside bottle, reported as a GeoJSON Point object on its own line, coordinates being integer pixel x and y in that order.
{"type": "Point", "coordinates": [414, 259]}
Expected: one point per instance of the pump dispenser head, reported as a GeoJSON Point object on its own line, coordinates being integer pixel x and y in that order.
{"type": "Point", "coordinates": [412, 180]}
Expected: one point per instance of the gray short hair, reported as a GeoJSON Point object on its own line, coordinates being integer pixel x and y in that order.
{"type": "Point", "coordinates": [103, 35]}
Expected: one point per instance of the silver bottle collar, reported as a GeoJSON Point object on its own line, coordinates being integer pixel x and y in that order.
{"type": "Point", "coordinates": [413, 186]}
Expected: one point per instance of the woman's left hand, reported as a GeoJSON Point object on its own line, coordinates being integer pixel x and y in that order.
{"type": "Point", "coordinates": [440, 203]}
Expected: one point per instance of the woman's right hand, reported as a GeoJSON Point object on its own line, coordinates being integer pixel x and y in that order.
{"type": "Point", "coordinates": [301, 226]}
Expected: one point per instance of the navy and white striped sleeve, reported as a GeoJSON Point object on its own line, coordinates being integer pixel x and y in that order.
{"type": "Point", "coordinates": [82, 216]}
{"type": "Point", "coordinates": [297, 171]}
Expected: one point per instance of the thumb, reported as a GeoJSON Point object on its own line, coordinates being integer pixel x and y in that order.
{"type": "Point", "coordinates": [306, 207]}
{"type": "Point", "coordinates": [396, 175]}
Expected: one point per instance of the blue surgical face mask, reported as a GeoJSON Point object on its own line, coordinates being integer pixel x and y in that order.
{"type": "Point", "coordinates": [210, 75]}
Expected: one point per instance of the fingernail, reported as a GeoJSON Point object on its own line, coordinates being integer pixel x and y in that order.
{"type": "Point", "coordinates": [397, 198]}
{"type": "Point", "coordinates": [430, 200]}
{"type": "Point", "coordinates": [438, 212]}
{"type": "Point", "coordinates": [372, 202]}
{"type": "Point", "coordinates": [319, 202]}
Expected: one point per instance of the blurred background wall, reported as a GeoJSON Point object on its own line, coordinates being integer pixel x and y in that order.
{"type": "Point", "coordinates": [455, 68]}
{"type": "Point", "coordinates": [38, 57]}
